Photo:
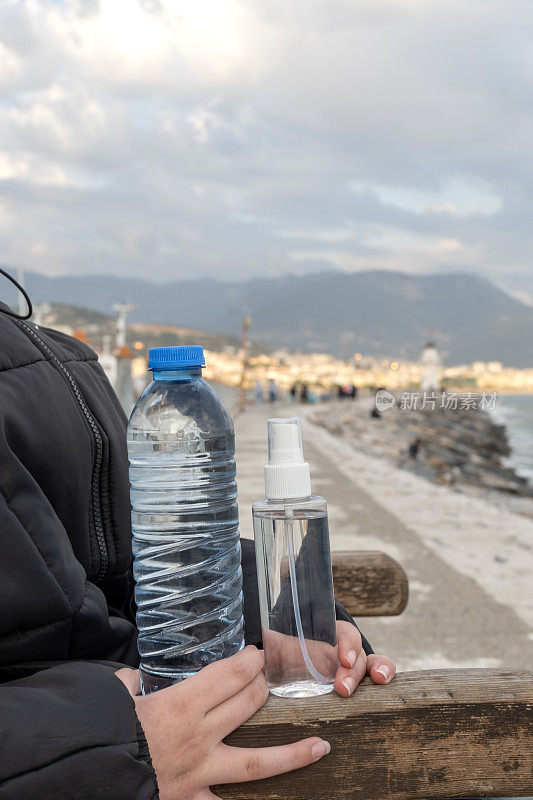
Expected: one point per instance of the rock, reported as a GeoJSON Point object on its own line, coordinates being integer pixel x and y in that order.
{"type": "Point", "coordinates": [459, 448]}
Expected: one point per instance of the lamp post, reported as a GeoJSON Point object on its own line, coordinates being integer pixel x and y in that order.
{"type": "Point", "coordinates": [244, 356]}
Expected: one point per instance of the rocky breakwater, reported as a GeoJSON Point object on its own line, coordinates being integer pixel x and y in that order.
{"type": "Point", "coordinates": [461, 448]}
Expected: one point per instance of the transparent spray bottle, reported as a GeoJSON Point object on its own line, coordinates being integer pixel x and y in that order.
{"type": "Point", "coordinates": [294, 572]}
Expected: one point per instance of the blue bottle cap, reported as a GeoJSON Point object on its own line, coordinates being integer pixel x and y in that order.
{"type": "Point", "coordinates": [177, 357]}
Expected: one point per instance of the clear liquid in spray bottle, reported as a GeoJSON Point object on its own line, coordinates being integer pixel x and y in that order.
{"type": "Point", "coordinates": [294, 572]}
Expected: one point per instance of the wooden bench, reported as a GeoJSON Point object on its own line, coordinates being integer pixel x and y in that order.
{"type": "Point", "coordinates": [433, 734]}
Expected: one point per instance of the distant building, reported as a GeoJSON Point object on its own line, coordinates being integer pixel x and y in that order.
{"type": "Point", "coordinates": [430, 369]}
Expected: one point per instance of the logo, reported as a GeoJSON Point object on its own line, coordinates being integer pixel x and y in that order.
{"type": "Point", "coordinates": [384, 400]}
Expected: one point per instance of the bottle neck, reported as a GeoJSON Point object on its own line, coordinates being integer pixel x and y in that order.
{"type": "Point", "coordinates": [182, 374]}
{"type": "Point", "coordinates": [288, 501]}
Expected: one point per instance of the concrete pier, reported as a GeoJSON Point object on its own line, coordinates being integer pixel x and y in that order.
{"type": "Point", "coordinates": [451, 619]}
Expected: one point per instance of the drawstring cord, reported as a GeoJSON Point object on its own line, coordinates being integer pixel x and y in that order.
{"type": "Point", "coordinates": [24, 293]}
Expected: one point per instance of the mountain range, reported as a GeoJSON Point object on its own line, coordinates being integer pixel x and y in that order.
{"type": "Point", "coordinates": [378, 313]}
{"type": "Point", "coordinates": [97, 326]}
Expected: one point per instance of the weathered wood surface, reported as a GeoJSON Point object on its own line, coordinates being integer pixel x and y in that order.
{"type": "Point", "coordinates": [369, 584]}
{"type": "Point", "coordinates": [438, 734]}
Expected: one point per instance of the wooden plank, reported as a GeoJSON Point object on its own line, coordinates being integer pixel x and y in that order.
{"type": "Point", "coordinates": [369, 584]}
{"type": "Point", "coordinates": [438, 734]}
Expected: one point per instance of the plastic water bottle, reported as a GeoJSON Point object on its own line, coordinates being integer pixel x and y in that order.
{"type": "Point", "coordinates": [186, 546]}
{"type": "Point", "coordinates": [294, 572]}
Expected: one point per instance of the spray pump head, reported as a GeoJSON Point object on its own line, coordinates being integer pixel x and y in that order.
{"type": "Point", "coordinates": [286, 474]}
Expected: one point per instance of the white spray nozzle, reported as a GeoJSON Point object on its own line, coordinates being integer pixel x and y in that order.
{"type": "Point", "coordinates": [286, 474]}
{"type": "Point", "coordinates": [285, 441]}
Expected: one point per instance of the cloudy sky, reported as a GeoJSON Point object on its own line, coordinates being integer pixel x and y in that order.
{"type": "Point", "coordinates": [237, 138]}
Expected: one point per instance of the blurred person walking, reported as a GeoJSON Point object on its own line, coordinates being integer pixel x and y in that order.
{"type": "Point", "coordinates": [258, 393]}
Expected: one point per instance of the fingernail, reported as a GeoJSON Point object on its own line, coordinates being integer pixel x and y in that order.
{"type": "Point", "coordinates": [383, 670]}
{"type": "Point", "coordinates": [320, 749]}
{"type": "Point", "coordinates": [349, 684]}
{"type": "Point", "coordinates": [351, 657]}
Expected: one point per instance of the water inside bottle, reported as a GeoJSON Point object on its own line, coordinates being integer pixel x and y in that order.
{"type": "Point", "coordinates": [185, 531]}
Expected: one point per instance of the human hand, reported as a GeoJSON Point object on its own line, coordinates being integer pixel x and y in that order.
{"type": "Point", "coordinates": [186, 723]}
{"type": "Point", "coordinates": [355, 664]}
{"type": "Point", "coordinates": [344, 664]}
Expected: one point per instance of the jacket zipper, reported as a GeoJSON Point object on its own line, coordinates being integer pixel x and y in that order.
{"type": "Point", "coordinates": [99, 449]}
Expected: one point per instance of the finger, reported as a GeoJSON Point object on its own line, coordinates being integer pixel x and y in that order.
{"type": "Point", "coordinates": [222, 679]}
{"type": "Point", "coordinates": [380, 668]}
{"type": "Point", "coordinates": [350, 643]}
{"type": "Point", "coordinates": [239, 764]}
{"type": "Point", "coordinates": [131, 680]}
{"type": "Point", "coordinates": [347, 679]}
{"type": "Point", "coordinates": [233, 712]}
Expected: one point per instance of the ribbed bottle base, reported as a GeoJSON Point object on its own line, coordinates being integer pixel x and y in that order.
{"type": "Point", "coordinates": [153, 681]}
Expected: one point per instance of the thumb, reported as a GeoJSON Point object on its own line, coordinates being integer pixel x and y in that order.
{"type": "Point", "coordinates": [380, 668]}
{"type": "Point", "coordinates": [130, 679]}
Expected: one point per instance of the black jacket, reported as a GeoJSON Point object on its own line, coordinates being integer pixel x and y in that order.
{"type": "Point", "coordinates": [68, 727]}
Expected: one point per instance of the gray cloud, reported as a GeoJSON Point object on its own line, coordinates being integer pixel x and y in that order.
{"type": "Point", "coordinates": [244, 137]}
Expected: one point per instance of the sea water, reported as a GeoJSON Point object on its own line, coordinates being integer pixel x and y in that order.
{"type": "Point", "coordinates": [516, 413]}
